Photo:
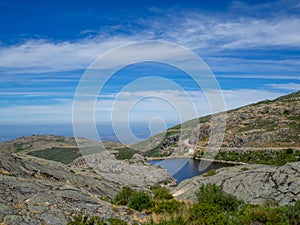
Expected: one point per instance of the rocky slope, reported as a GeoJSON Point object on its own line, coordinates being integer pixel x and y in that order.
{"type": "Point", "coordinates": [135, 172]}
{"type": "Point", "coordinates": [37, 191]}
{"type": "Point", "coordinates": [255, 184]}
{"type": "Point", "coordinates": [266, 125]}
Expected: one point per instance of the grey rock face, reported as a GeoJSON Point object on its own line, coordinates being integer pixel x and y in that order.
{"type": "Point", "coordinates": [36, 191]}
{"type": "Point", "coordinates": [253, 183]}
{"type": "Point", "coordinates": [135, 172]}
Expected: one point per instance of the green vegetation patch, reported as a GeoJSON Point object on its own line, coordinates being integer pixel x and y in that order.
{"type": "Point", "coordinates": [125, 153]}
{"type": "Point", "coordinates": [154, 153]}
{"type": "Point", "coordinates": [86, 220]}
{"type": "Point", "coordinates": [213, 194]}
{"type": "Point", "coordinates": [63, 155]}
{"type": "Point", "coordinates": [161, 193]}
{"type": "Point", "coordinates": [140, 201]}
{"type": "Point", "coordinates": [116, 221]}
{"type": "Point", "coordinates": [210, 173]}
{"type": "Point", "coordinates": [123, 197]}
{"type": "Point", "coordinates": [95, 220]}
{"type": "Point", "coordinates": [170, 206]}
{"type": "Point", "coordinates": [267, 157]}
{"type": "Point", "coordinates": [137, 200]}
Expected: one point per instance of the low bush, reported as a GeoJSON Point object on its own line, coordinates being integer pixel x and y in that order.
{"type": "Point", "coordinates": [140, 201]}
{"type": "Point", "coordinates": [161, 193]}
{"type": "Point", "coordinates": [116, 221]}
{"type": "Point", "coordinates": [86, 220]}
{"type": "Point", "coordinates": [210, 173]}
{"type": "Point", "coordinates": [213, 194]}
{"type": "Point", "coordinates": [125, 153]}
{"type": "Point", "coordinates": [167, 206]}
{"type": "Point", "coordinates": [123, 197]}
{"type": "Point", "coordinates": [206, 213]}
{"type": "Point", "coordinates": [292, 213]}
{"type": "Point", "coordinates": [179, 220]}
{"type": "Point", "coordinates": [256, 214]}
{"type": "Point", "coordinates": [133, 199]}
{"type": "Point", "coordinates": [268, 157]}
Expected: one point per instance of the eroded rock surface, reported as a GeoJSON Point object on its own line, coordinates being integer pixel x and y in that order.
{"type": "Point", "coordinates": [134, 172]}
{"type": "Point", "coordinates": [37, 191]}
{"type": "Point", "coordinates": [252, 183]}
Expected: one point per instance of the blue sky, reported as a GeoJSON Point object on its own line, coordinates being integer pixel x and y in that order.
{"type": "Point", "coordinates": [252, 47]}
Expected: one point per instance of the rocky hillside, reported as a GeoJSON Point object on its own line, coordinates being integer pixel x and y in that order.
{"type": "Point", "coordinates": [38, 191]}
{"type": "Point", "coordinates": [263, 125]}
{"type": "Point", "coordinates": [256, 184]}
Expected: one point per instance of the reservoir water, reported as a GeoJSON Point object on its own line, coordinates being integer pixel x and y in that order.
{"type": "Point", "coordinates": [184, 168]}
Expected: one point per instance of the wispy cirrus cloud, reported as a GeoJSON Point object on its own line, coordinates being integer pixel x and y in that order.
{"type": "Point", "coordinates": [43, 56]}
{"type": "Point", "coordinates": [152, 104]}
{"type": "Point", "coordinates": [208, 34]}
{"type": "Point", "coordinates": [287, 86]}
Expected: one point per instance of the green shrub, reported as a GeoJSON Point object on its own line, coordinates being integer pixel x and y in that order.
{"type": "Point", "coordinates": [116, 221]}
{"type": "Point", "coordinates": [85, 220]}
{"type": "Point", "coordinates": [140, 201]}
{"type": "Point", "coordinates": [123, 197]}
{"type": "Point", "coordinates": [210, 173]}
{"type": "Point", "coordinates": [272, 157]}
{"type": "Point", "coordinates": [289, 151]}
{"type": "Point", "coordinates": [161, 193]}
{"type": "Point", "coordinates": [206, 213]}
{"type": "Point", "coordinates": [213, 194]}
{"type": "Point", "coordinates": [179, 220]}
{"type": "Point", "coordinates": [292, 213]}
{"type": "Point", "coordinates": [167, 206]}
{"type": "Point", "coordinates": [153, 153]}
{"type": "Point", "coordinates": [125, 153]}
{"type": "Point", "coordinates": [256, 214]}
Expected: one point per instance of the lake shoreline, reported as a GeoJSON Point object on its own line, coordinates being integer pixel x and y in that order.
{"type": "Point", "coordinates": [199, 159]}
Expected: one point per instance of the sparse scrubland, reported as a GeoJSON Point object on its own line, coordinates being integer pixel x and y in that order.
{"type": "Point", "coordinates": [213, 206]}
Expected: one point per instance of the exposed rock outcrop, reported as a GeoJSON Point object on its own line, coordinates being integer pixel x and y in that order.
{"type": "Point", "coordinates": [252, 183]}
{"type": "Point", "coordinates": [135, 172]}
{"type": "Point", "coordinates": [37, 191]}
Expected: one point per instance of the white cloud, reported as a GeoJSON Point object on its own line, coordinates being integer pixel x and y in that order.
{"type": "Point", "coordinates": [287, 86]}
{"type": "Point", "coordinates": [145, 110]}
{"type": "Point", "coordinates": [24, 94]}
{"type": "Point", "coordinates": [209, 34]}
{"type": "Point", "coordinates": [261, 76]}
{"type": "Point", "coordinates": [37, 114]}
{"type": "Point", "coordinates": [45, 56]}
{"type": "Point", "coordinates": [255, 66]}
